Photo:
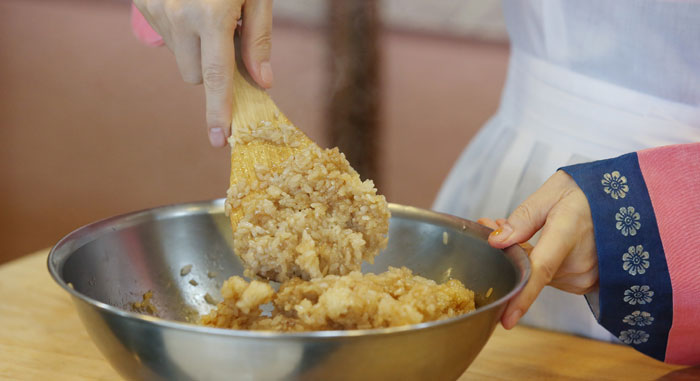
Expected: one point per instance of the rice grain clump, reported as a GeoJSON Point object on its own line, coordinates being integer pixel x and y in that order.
{"type": "Point", "coordinates": [276, 132]}
{"type": "Point", "coordinates": [146, 305]}
{"type": "Point", "coordinates": [354, 301]}
{"type": "Point", "coordinates": [307, 217]}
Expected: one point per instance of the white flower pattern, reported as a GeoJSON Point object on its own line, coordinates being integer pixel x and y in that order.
{"type": "Point", "coordinates": [615, 185]}
{"type": "Point", "coordinates": [627, 221]}
{"type": "Point", "coordinates": [635, 260]}
{"type": "Point", "coordinates": [639, 319]}
{"type": "Point", "coordinates": [638, 295]}
{"type": "Point", "coordinates": [633, 336]}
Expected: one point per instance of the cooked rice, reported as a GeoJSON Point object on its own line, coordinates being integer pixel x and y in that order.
{"type": "Point", "coordinates": [354, 301]}
{"type": "Point", "coordinates": [310, 222]}
{"type": "Point", "coordinates": [311, 218]}
{"type": "Point", "coordinates": [210, 299]}
{"type": "Point", "coordinates": [145, 306]}
{"type": "Point", "coordinates": [276, 132]}
{"type": "Point", "coordinates": [185, 270]}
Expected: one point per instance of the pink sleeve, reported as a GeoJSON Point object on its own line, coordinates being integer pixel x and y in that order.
{"type": "Point", "coordinates": [672, 175]}
{"type": "Point", "coordinates": [143, 30]}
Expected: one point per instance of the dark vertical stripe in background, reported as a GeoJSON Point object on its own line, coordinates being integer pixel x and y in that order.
{"type": "Point", "coordinates": [353, 108]}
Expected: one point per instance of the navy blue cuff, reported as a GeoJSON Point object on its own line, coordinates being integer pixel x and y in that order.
{"type": "Point", "coordinates": [635, 299]}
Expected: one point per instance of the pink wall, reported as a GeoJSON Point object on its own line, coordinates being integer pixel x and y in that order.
{"type": "Point", "coordinates": [93, 124]}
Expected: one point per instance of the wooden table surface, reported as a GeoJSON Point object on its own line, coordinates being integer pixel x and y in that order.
{"type": "Point", "coordinates": [41, 337]}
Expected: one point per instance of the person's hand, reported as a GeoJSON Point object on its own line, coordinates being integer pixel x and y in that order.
{"type": "Point", "coordinates": [200, 34]}
{"type": "Point", "coordinates": [565, 254]}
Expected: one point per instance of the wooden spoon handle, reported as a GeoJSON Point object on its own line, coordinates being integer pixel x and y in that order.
{"type": "Point", "coordinates": [251, 103]}
{"type": "Point", "coordinates": [251, 107]}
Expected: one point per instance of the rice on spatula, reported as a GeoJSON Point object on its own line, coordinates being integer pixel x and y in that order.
{"type": "Point", "coordinates": [296, 210]}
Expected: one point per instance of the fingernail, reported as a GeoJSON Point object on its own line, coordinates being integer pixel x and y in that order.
{"type": "Point", "coordinates": [266, 73]}
{"type": "Point", "coordinates": [513, 318]}
{"type": "Point", "coordinates": [502, 233]}
{"type": "Point", "coordinates": [217, 137]}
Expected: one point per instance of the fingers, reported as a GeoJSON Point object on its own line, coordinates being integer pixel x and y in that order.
{"type": "Point", "coordinates": [531, 215]}
{"type": "Point", "coordinates": [256, 40]}
{"type": "Point", "coordinates": [546, 258]}
{"type": "Point", "coordinates": [188, 58]}
{"type": "Point", "coordinates": [576, 283]}
{"type": "Point", "coordinates": [152, 11]}
{"type": "Point", "coordinates": [200, 34]}
{"type": "Point", "coordinates": [564, 256]}
{"type": "Point", "coordinates": [527, 247]}
{"type": "Point", "coordinates": [489, 223]}
{"type": "Point", "coordinates": [217, 74]}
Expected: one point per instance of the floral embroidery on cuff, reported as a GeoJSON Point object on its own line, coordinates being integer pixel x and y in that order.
{"type": "Point", "coordinates": [627, 221]}
{"type": "Point", "coordinates": [638, 295]}
{"type": "Point", "coordinates": [638, 318]}
{"type": "Point", "coordinates": [615, 185]}
{"type": "Point", "coordinates": [635, 260]}
{"type": "Point", "coordinates": [633, 336]}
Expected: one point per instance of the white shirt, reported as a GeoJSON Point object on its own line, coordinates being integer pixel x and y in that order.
{"type": "Point", "coordinates": [587, 80]}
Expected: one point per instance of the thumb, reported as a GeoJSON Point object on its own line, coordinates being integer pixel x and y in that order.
{"type": "Point", "coordinates": [256, 41]}
{"type": "Point", "coordinates": [489, 223]}
{"type": "Point", "coordinates": [530, 216]}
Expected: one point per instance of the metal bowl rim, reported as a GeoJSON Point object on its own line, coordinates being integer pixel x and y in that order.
{"type": "Point", "coordinates": [515, 254]}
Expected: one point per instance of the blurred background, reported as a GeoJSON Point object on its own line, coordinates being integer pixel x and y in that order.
{"type": "Point", "coordinates": [94, 124]}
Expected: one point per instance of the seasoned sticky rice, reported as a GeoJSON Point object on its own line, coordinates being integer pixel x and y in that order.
{"type": "Point", "coordinates": [309, 223]}
{"type": "Point", "coordinates": [308, 217]}
{"type": "Point", "coordinates": [355, 301]}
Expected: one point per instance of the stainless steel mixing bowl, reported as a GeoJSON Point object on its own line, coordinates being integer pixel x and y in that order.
{"type": "Point", "coordinates": [108, 265]}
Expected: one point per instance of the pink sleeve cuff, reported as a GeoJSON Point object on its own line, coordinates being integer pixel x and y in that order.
{"type": "Point", "coordinates": [142, 30]}
{"type": "Point", "coordinates": [672, 175]}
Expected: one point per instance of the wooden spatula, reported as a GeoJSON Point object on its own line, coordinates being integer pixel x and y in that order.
{"type": "Point", "coordinates": [296, 210]}
{"type": "Point", "coordinates": [252, 106]}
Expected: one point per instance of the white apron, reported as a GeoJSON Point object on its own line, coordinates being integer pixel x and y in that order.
{"type": "Point", "coordinates": [579, 89]}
